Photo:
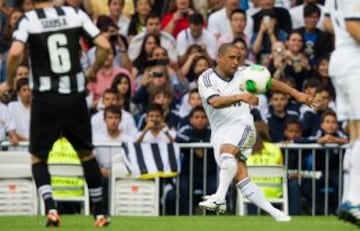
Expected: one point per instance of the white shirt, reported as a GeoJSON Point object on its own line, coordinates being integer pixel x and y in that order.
{"type": "Point", "coordinates": [219, 23]}
{"type": "Point", "coordinates": [19, 118]}
{"type": "Point", "coordinates": [220, 119]}
{"type": "Point", "coordinates": [166, 40]}
{"type": "Point", "coordinates": [104, 155]}
{"type": "Point", "coordinates": [346, 56]}
{"type": "Point", "coordinates": [123, 25]}
{"type": "Point", "coordinates": [297, 17]}
{"type": "Point", "coordinates": [185, 39]}
{"type": "Point", "coordinates": [4, 121]}
{"type": "Point", "coordinates": [127, 124]}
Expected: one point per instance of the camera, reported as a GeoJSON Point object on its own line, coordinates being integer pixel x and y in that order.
{"type": "Point", "coordinates": [113, 38]}
{"type": "Point", "coordinates": [157, 74]}
{"type": "Point", "coordinates": [184, 13]}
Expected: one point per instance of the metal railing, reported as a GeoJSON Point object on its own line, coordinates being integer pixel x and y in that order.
{"type": "Point", "coordinates": [302, 151]}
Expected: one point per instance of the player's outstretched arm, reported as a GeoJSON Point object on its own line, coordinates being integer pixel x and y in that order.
{"type": "Point", "coordinates": [225, 101]}
{"type": "Point", "coordinates": [301, 97]}
{"type": "Point", "coordinates": [103, 48]}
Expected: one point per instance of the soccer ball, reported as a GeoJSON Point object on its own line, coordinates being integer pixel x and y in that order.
{"type": "Point", "coordinates": [257, 79]}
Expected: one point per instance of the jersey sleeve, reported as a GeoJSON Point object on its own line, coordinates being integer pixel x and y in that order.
{"type": "Point", "coordinates": [206, 87]}
{"type": "Point", "coordinates": [326, 8]}
{"type": "Point", "coordinates": [88, 26]}
{"type": "Point", "coordinates": [351, 9]}
{"type": "Point", "coordinates": [21, 32]}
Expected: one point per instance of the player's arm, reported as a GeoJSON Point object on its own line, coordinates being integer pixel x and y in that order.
{"type": "Point", "coordinates": [353, 27]}
{"type": "Point", "coordinates": [301, 97]}
{"type": "Point", "coordinates": [15, 54]}
{"type": "Point", "coordinates": [218, 101]}
{"type": "Point", "coordinates": [103, 48]}
{"type": "Point", "coordinates": [327, 24]}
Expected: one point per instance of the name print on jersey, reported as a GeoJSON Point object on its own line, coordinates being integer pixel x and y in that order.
{"type": "Point", "coordinates": [53, 23]}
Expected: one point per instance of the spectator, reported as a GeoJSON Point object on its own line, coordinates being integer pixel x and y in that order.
{"type": "Point", "coordinates": [195, 64]}
{"type": "Point", "coordinates": [196, 131]}
{"type": "Point", "coordinates": [242, 45]}
{"type": "Point", "coordinates": [328, 132]}
{"type": "Point", "coordinates": [6, 34]}
{"type": "Point", "coordinates": [127, 123]}
{"type": "Point", "coordinates": [164, 98]}
{"type": "Point", "coordinates": [317, 43]}
{"type": "Point", "coordinates": [122, 84]}
{"type": "Point", "coordinates": [19, 112]}
{"type": "Point", "coordinates": [269, 32]}
{"type": "Point", "coordinates": [278, 115]}
{"type": "Point", "coordinates": [104, 155]}
{"type": "Point", "coordinates": [321, 72]}
{"type": "Point", "coordinates": [196, 34]}
{"type": "Point", "coordinates": [177, 20]}
{"type": "Point", "coordinates": [104, 77]}
{"type": "Point", "coordinates": [219, 21]}
{"type": "Point", "coordinates": [115, 12]}
{"type": "Point", "coordinates": [238, 24]}
{"type": "Point", "coordinates": [297, 13]}
{"type": "Point", "coordinates": [137, 22]}
{"type": "Point", "coordinates": [189, 101]}
{"type": "Point", "coordinates": [292, 132]}
{"type": "Point", "coordinates": [149, 43]}
{"type": "Point", "coordinates": [294, 62]}
{"type": "Point", "coordinates": [155, 76]}
{"type": "Point", "coordinates": [282, 14]}
{"type": "Point", "coordinates": [155, 129]}
{"type": "Point", "coordinates": [118, 42]}
{"type": "Point", "coordinates": [153, 25]}
{"type": "Point", "coordinates": [310, 122]}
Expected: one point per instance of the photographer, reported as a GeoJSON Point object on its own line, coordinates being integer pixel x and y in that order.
{"type": "Point", "coordinates": [118, 43]}
{"type": "Point", "coordinates": [291, 61]}
{"type": "Point", "coordinates": [177, 20]}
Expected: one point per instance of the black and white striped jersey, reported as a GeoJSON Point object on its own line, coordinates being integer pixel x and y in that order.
{"type": "Point", "coordinates": [52, 36]}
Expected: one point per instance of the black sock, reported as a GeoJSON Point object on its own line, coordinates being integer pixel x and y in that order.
{"type": "Point", "coordinates": [93, 180]}
{"type": "Point", "coordinates": [42, 180]}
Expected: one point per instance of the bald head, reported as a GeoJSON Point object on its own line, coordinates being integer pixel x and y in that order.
{"type": "Point", "coordinates": [224, 48]}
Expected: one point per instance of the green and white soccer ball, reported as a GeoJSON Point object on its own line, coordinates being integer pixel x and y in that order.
{"type": "Point", "coordinates": [257, 79]}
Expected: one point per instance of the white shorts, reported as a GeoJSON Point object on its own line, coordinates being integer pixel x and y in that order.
{"type": "Point", "coordinates": [241, 136]}
{"type": "Point", "coordinates": [347, 96]}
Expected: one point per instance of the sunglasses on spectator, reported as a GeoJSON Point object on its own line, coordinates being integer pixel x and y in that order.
{"type": "Point", "coordinates": [156, 74]}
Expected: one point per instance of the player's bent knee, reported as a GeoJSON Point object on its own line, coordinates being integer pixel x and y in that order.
{"type": "Point", "coordinates": [35, 159]}
{"type": "Point", "coordinates": [85, 155]}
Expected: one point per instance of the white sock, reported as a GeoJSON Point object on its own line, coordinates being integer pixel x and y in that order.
{"type": "Point", "coordinates": [346, 173]}
{"type": "Point", "coordinates": [228, 169]}
{"type": "Point", "coordinates": [252, 192]}
{"type": "Point", "coordinates": [354, 180]}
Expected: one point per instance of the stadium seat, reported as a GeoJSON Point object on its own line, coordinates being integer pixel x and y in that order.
{"type": "Point", "coordinates": [18, 195]}
{"type": "Point", "coordinates": [266, 171]}
{"type": "Point", "coordinates": [130, 196]}
{"type": "Point", "coordinates": [69, 170]}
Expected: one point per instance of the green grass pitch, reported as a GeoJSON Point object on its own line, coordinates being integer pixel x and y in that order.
{"type": "Point", "coordinates": [187, 223]}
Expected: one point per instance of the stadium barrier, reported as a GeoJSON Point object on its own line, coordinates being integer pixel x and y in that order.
{"type": "Point", "coordinates": [318, 170]}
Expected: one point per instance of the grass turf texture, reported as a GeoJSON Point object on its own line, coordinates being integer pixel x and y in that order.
{"type": "Point", "coordinates": [196, 223]}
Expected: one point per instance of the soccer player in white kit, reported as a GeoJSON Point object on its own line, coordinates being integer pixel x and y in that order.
{"type": "Point", "coordinates": [343, 18]}
{"type": "Point", "coordinates": [227, 106]}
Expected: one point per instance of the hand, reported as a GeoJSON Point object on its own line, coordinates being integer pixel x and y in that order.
{"type": "Point", "coordinates": [90, 74]}
{"type": "Point", "coordinates": [306, 99]}
{"type": "Point", "coordinates": [147, 78]}
{"type": "Point", "coordinates": [177, 15]}
{"type": "Point", "coordinates": [249, 98]}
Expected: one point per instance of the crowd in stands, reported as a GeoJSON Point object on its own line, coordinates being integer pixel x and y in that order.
{"type": "Point", "coordinates": [146, 90]}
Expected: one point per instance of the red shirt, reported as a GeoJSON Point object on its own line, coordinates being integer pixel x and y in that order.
{"type": "Point", "coordinates": [180, 24]}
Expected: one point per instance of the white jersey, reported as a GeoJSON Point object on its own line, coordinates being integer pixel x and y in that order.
{"type": "Point", "coordinates": [211, 84]}
{"type": "Point", "coordinates": [347, 50]}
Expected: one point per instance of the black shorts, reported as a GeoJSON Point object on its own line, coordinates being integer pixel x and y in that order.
{"type": "Point", "coordinates": [54, 115]}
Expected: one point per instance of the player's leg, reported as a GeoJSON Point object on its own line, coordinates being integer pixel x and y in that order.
{"type": "Point", "coordinates": [228, 167]}
{"type": "Point", "coordinates": [252, 192]}
{"type": "Point", "coordinates": [77, 130]}
{"type": "Point", "coordinates": [350, 211]}
{"type": "Point", "coordinates": [44, 130]}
